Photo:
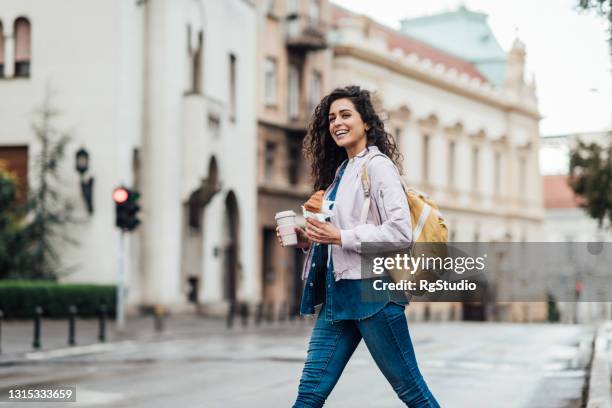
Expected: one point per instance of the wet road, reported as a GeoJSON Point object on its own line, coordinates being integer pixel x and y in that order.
{"type": "Point", "coordinates": [465, 364]}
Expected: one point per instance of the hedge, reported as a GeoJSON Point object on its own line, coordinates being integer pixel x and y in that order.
{"type": "Point", "coordinates": [19, 298]}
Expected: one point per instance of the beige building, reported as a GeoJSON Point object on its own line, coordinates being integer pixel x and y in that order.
{"type": "Point", "coordinates": [467, 127]}
{"type": "Point", "coordinates": [468, 131]}
{"type": "Point", "coordinates": [294, 64]}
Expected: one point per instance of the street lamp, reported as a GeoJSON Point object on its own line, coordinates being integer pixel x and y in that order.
{"type": "Point", "coordinates": [82, 166]}
{"type": "Point", "coordinates": [82, 161]}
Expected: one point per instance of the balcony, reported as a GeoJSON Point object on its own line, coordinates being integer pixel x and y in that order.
{"type": "Point", "coordinates": [305, 33]}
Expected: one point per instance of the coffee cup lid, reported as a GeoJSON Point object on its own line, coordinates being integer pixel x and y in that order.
{"type": "Point", "coordinates": [283, 214]}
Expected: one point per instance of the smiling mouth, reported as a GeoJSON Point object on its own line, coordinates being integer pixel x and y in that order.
{"type": "Point", "coordinates": [341, 133]}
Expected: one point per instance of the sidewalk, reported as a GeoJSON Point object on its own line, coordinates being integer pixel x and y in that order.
{"type": "Point", "coordinates": [17, 335]}
{"type": "Point", "coordinates": [600, 381]}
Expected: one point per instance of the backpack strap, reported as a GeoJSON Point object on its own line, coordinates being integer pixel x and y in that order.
{"type": "Point", "coordinates": [365, 184]}
{"type": "Point", "coordinates": [421, 222]}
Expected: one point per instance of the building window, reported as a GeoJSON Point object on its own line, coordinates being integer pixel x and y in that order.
{"type": "Point", "coordinates": [22, 47]}
{"type": "Point", "coordinates": [1, 50]}
{"type": "Point", "coordinates": [197, 64]}
{"type": "Point", "coordinates": [270, 81]}
{"type": "Point", "coordinates": [475, 169]}
{"type": "Point", "coordinates": [425, 158]}
{"type": "Point", "coordinates": [451, 163]}
{"type": "Point", "coordinates": [294, 92]}
{"type": "Point", "coordinates": [315, 89]}
{"type": "Point", "coordinates": [269, 160]}
{"type": "Point", "coordinates": [195, 45]}
{"type": "Point", "coordinates": [497, 172]}
{"type": "Point", "coordinates": [232, 87]}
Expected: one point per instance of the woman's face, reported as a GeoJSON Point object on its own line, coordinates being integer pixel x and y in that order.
{"type": "Point", "coordinates": [345, 123]}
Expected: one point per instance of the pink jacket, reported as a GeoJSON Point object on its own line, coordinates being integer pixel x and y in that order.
{"type": "Point", "coordinates": [387, 221]}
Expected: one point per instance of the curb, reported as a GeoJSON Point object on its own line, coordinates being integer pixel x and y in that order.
{"type": "Point", "coordinates": [34, 357]}
{"type": "Point", "coordinates": [599, 391]}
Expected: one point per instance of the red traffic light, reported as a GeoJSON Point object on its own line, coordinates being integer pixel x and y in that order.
{"type": "Point", "coordinates": [579, 287]}
{"type": "Point", "coordinates": [120, 195]}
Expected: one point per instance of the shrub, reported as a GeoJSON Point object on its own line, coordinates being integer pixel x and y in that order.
{"type": "Point", "coordinates": [19, 298]}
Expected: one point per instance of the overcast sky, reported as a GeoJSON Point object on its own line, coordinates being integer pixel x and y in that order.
{"type": "Point", "coordinates": [567, 51]}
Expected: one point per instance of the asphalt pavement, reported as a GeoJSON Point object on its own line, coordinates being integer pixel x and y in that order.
{"type": "Point", "coordinates": [198, 362]}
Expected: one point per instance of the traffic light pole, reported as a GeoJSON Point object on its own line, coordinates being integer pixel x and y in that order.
{"type": "Point", "coordinates": [121, 284]}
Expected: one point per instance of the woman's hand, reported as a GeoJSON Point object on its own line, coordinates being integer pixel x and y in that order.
{"type": "Point", "coordinates": [322, 232]}
{"type": "Point", "coordinates": [303, 241]}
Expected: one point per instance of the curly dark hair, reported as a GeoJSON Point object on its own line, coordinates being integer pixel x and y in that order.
{"type": "Point", "coordinates": [320, 148]}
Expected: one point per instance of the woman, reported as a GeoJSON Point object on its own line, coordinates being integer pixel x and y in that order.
{"type": "Point", "coordinates": [345, 134]}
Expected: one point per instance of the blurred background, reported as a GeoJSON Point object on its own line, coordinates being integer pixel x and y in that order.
{"type": "Point", "coordinates": [146, 145]}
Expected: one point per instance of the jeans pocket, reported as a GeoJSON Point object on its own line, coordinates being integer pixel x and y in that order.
{"type": "Point", "coordinates": [393, 310]}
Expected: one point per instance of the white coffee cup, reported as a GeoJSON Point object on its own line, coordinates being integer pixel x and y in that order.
{"type": "Point", "coordinates": [285, 220]}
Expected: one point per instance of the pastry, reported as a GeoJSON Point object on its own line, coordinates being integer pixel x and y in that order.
{"type": "Point", "coordinates": [315, 202]}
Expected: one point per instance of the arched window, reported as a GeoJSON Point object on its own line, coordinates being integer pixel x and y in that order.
{"type": "Point", "coordinates": [1, 51]}
{"type": "Point", "coordinates": [22, 47]}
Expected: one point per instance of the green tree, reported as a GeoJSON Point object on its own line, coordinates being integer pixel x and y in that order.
{"type": "Point", "coordinates": [591, 178]}
{"type": "Point", "coordinates": [48, 212]}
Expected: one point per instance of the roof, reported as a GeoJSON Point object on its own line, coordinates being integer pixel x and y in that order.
{"type": "Point", "coordinates": [396, 39]}
{"type": "Point", "coordinates": [558, 193]}
{"type": "Point", "coordinates": [461, 12]}
{"type": "Point", "coordinates": [465, 34]}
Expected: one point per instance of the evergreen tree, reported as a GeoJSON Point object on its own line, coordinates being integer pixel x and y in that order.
{"type": "Point", "coordinates": [48, 212]}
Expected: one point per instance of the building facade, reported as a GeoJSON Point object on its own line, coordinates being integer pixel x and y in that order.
{"type": "Point", "coordinates": [294, 65]}
{"type": "Point", "coordinates": [161, 105]}
{"type": "Point", "coordinates": [470, 143]}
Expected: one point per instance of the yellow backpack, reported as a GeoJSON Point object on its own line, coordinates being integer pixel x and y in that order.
{"type": "Point", "coordinates": [429, 230]}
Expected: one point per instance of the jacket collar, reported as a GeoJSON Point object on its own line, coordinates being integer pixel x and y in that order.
{"type": "Point", "coordinates": [369, 150]}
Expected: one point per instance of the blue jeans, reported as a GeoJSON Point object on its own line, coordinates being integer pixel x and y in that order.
{"type": "Point", "coordinates": [387, 338]}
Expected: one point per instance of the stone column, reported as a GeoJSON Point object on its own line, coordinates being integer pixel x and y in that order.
{"type": "Point", "coordinates": [161, 176]}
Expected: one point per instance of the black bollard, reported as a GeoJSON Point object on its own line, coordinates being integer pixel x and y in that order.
{"type": "Point", "coordinates": [102, 323]}
{"type": "Point", "coordinates": [282, 314]}
{"type": "Point", "coordinates": [159, 313]}
{"type": "Point", "coordinates": [72, 311]}
{"type": "Point", "coordinates": [1, 317]}
{"type": "Point", "coordinates": [259, 314]}
{"type": "Point", "coordinates": [230, 315]}
{"type": "Point", "coordinates": [244, 314]}
{"type": "Point", "coordinates": [37, 318]}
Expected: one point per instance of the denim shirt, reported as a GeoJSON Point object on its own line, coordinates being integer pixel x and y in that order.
{"type": "Point", "coordinates": [346, 299]}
